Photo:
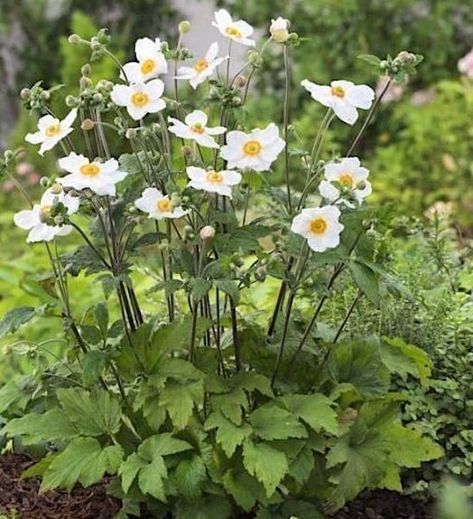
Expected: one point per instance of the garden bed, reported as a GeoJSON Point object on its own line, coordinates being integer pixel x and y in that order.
{"type": "Point", "coordinates": [22, 496]}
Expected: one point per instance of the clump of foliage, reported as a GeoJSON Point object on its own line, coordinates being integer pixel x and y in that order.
{"type": "Point", "coordinates": [199, 406]}
{"type": "Point", "coordinates": [435, 314]}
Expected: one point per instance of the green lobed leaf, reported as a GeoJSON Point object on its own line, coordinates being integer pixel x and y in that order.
{"type": "Point", "coordinates": [315, 410]}
{"type": "Point", "coordinates": [267, 464]}
{"type": "Point", "coordinates": [16, 318]}
{"type": "Point", "coordinates": [228, 435]}
{"type": "Point", "coordinates": [273, 423]}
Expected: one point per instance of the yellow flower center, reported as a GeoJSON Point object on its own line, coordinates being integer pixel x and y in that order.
{"type": "Point", "coordinates": [338, 91]}
{"type": "Point", "coordinates": [198, 128]}
{"type": "Point", "coordinates": [252, 148]}
{"type": "Point", "coordinates": [201, 65]}
{"type": "Point", "coordinates": [164, 205]}
{"type": "Point", "coordinates": [53, 129]}
{"type": "Point", "coordinates": [44, 211]}
{"type": "Point", "coordinates": [233, 31]}
{"type": "Point", "coordinates": [215, 177]}
{"type": "Point", "coordinates": [140, 99]}
{"type": "Point", "coordinates": [89, 170]}
{"type": "Point", "coordinates": [318, 226]}
{"type": "Point", "coordinates": [346, 180]}
{"type": "Point", "coordinates": [148, 66]}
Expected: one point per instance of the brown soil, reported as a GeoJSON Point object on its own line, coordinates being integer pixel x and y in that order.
{"type": "Point", "coordinates": [21, 495]}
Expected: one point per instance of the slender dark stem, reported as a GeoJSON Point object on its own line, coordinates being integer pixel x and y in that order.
{"type": "Point", "coordinates": [347, 316]}
{"type": "Point", "coordinates": [91, 245]}
{"type": "Point", "coordinates": [236, 340]}
{"type": "Point", "coordinates": [289, 303]}
{"type": "Point", "coordinates": [356, 140]}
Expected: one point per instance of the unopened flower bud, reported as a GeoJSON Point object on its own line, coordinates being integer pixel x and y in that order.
{"type": "Point", "coordinates": [85, 82]}
{"type": "Point", "coordinates": [44, 182]}
{"type": "Point", "coordinates": [131, 133]}
{"type": "Point", "coordinates": [254, 58]}
{"type": "Point", "coordinates": [405, 57]}
{"type": "Point", "coordinates": [45, 95]}
{"type": "Point", "coordinates": [95, 44]}
{"type": "Point", "coordinates": [25, 93]}
{"type": "Point", "coordinates": [8, 155]}
{"type": "Point", "coordinates": [279, 30]}
{"type": "Point", "coordinates": [240, 81]}
{"type": "Point", "coordinates": [186, 151]}
{"type": "Point", "coordinates": [236, 100]}
{"type": "Point", "coordinates": [85, 70]}
{"type": "Point", "coordinates": [155, 127]}
{"type": "Point", "coordinates": [207, 233]}
{"type": "Point", "coordinates": [71, 101]}
{"type": "Point", "coordinates": [97, 98]}
{"type": "Point", "coordinates": [56, 189]}
{"type": "Point", "coordinates": [176, 199]}
{"type": "Point", "coordinates": [184, 27]}
{"type": "Point", "coordinates": [74, 39]}
{"type": "Point", "coordinates": [59, 219]}
{"type": "Point", "coordinates": [87, 125]}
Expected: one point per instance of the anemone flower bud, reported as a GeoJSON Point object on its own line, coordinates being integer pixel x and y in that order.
{"type": "Point", "coordinates": [279, 30]}
{"type": "Point", "coordinates": [87, 125]}
{"type": "Point", "coordinates": [207, 233]}
{"type": "Point", "coordinates": [74, 39]}
{"type": "Point", "coordinates": [184, 27]}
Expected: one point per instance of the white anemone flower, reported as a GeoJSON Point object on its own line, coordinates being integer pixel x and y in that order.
{"type": "Point", "coordinates": [343, 97]}
{"type": "Point", "coordinates": [220, 182]}
{"type": "Point", "coordinates": [99, 177]}
{"type": "Point", "coordinates": [141, 98]}
{"type": "Point", "coordinates": [150, 62]}
{"type": "Point", "coordinates": [157, 205]}
{"type": "Point", "coordinates": [351, 176]}
{"type": "Point", "coordinates": [202, 68]}
{"type": "Point", "coordinates": [319, 226]}
{"type": "Point", "coordinates": [51, 130]}
{"type": "Point", "coordinates": [279, 29]}
{"type": "Point", "coordinates": [238, 31]}
{"type": "Point", "coordinates": [33, 219]}
{"type": "Point", "coordinates": [256, 150]}
{"type": "Point", "coordinates": [195, 128]}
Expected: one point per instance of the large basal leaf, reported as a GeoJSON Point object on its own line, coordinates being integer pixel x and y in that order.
{"type": "Point", "coordinates": [359, 363]}
{"type": "Point", "coordinates": [179, 401]}
{"type": "Point", "coordinates": [207, 507]}
{"type": "Point", "coordinates": [315, 410]}
{"type": "Point", "coordinates": [405, 359]}
{"type": "Point", "coordinates": [190, 476]}
{"type": "Point", "coordinates": [244, 489]}
{"type": "Point", "coordinates": [229, 436]}
{"type": "Point", "coordinates": [81, 461]}
{"type": "Point", "coordinates": [94, 414]}
{"type": "Point", "coordinates": [267, 464]}
{"type": "Point", "coordinates": [50, 426]}
{"type": "Point", "coordinates": [273, 423]}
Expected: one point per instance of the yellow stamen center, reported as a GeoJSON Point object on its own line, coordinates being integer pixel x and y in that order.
{"type": "Point", "coordinates": [198, 128]}
{"type": "Point", "coordinates": [201, 65]}
{"type": "Point", "coordinates": [148, 66]}
{"type": "Point", "coordinates": [346, 180]}
{"type": "Point", "coordinates": [164, 205]}
{"type": "Point", "coordinates": [338, 91]}
{"type": "Point", "coordinates": [233, 31]}
{"type": "Point", "coordinates": [318, 226]}
{"type": "Point", "coordinates": [215, 177]}
{"type": "Point", "coordinates": [89, 170]}
{"type": "Point", "coordinates": [140, 99]}
{"type": "Point", "coordinates": [44, 211]}
{"type": "Point", "coordinates": [53, 129]}
{"type": "Point", "coordinates": [252, 148]}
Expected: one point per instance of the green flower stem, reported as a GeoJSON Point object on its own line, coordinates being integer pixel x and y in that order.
{"type": "Point", "coordinates": [287, 74]}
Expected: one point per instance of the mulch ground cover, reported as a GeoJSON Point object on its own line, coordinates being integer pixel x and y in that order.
{"type": "Point", "coordinates": [22, 496]}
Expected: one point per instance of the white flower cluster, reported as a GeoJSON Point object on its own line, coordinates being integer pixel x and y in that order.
{"type": "Point", "coordinates": [345, 182]}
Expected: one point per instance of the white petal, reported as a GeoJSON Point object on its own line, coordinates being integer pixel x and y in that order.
{"type": "Point", "coordinates": [319, 93]}
{"type": "Point", "coordinates": [197, 174]}
{"type": "Point", "coordinates": [205, 140]}
{"type": "Point", "coordinates": [34, 138]}
{"type": "Point", "coordinates": [154, 89]}
{"type": "Point", "coordinates": [145, 48]}
{"type": "Point", "coordinates": [47, 120]}
{"type": "Point", "coordinates": [196, 117]}
{"type": "Point", "coordinates": [121, 94]}
{"type": "Point", "coordinates": [345, 111]}
{"type": "Point", "coordinates": [328, 190]}
{"type": "Point", "coordinates": [212, 52]}
{"type": "Point", "coordinates": [231, 178]}
{"type": "Point", "coordinates": [360, 96]}
{"type": "Point", "coordinates": [223, 18]}
{"type": "Point", "coordinates": [28, 218]}
{"type": "Point", "coordinates": [69, 119]}
{"type": "Point", "coordinates": [132, 73]}
{"type": "Point", "coordinates": [72, 162]}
